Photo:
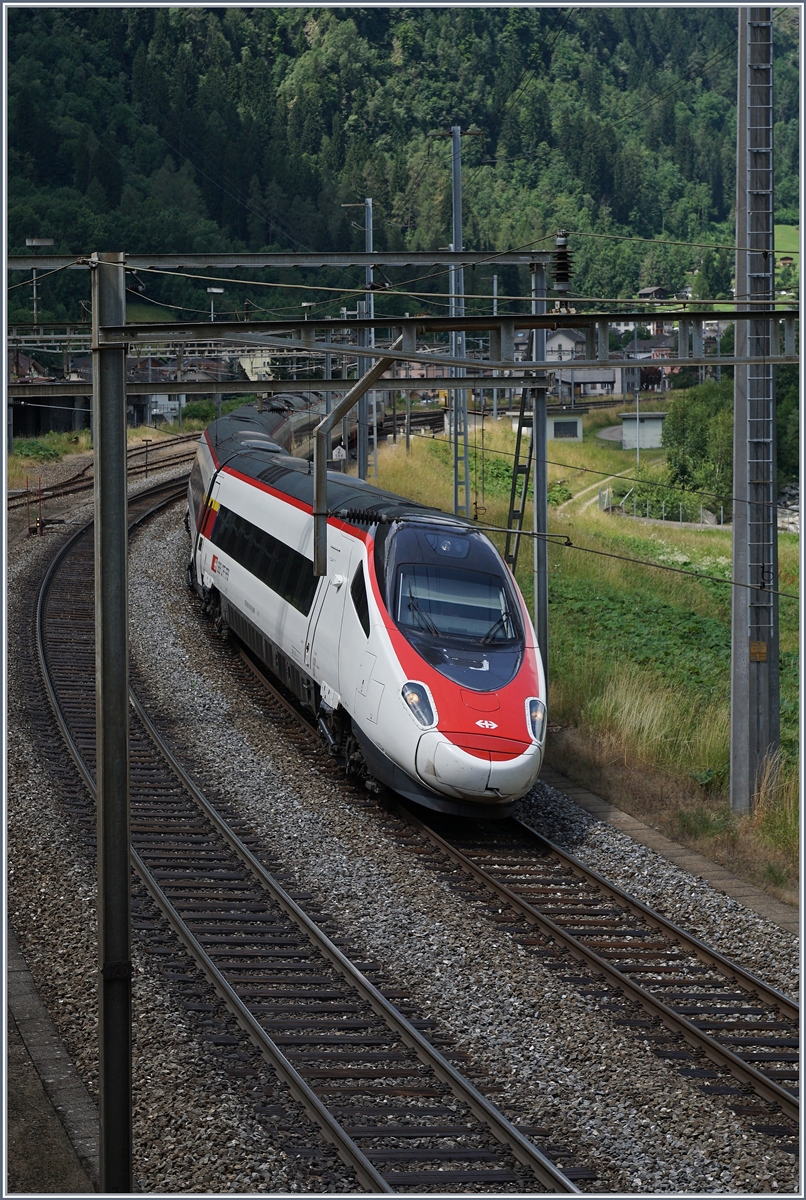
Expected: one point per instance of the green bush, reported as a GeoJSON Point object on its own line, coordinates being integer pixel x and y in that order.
{"type": "Point", "coordinates": [559, 493]}
{"type": "Point", "coordinates": [200, 410]}
{"type": "Point", "coordinates": [37, 448]}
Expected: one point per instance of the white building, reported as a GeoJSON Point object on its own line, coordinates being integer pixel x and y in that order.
{"type": "Point", "coordinates": [564, 344]}
{"type": "Point", "coordinates": [256, 366]}
{"type": "Point", "coordinates": [650, 426]}
{"type": "Point", "coordinates": [588, 381]}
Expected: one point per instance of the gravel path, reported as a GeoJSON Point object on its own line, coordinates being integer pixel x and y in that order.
{"type": "Point", "coordinates": [560, 1060]}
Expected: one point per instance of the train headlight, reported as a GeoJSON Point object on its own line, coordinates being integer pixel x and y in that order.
{"type": "Point", "coordinates": [536, 718]}
{"type": "Point", "coordinates": [418, 702]}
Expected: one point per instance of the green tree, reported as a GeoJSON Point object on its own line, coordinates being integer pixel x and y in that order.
{"type": "Point", "coordinates": [698, 439]}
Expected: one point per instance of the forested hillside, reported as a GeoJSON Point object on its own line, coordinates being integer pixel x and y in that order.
{"type": "Point", "coordinates": [189, 128]}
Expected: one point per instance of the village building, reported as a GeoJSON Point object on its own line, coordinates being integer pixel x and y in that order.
{"type": "Point", "coordinates": [649, 426]}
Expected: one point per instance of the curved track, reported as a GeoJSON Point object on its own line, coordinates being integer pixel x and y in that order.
{"type": "Point", "coordinates": [397, 1110]}
{"type": "Point", "coordinates": [140, 460]}
{"type": "Point", "coordinates": [724, 1027]}
{"type": "Point", "coordinates": [731, 1016]}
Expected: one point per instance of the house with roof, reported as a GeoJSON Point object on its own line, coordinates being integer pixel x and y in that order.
{"type": "Point", "coordinates": [562, 344]}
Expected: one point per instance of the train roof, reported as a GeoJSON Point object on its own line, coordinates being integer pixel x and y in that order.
{"type": "Point", "coordinates": [243, 441]}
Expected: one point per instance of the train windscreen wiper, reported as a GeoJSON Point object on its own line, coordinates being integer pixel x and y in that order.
{"type": "Point", "coordinates": [419, 611]}
{"type": "Point", "coordinates": [502, 623]}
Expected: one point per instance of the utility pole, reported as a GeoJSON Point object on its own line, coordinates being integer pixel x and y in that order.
{"type": "Point", "coordinates": [36, 242]}
{"type": "Point", "coordinates": [495, 314]}
{"type": "Point", "coordinates": [370, 341]}
{"type": "Point", "coordinates": [754, 693]}
{"type": "Point", "coordinates": [213, 292]}
{"type": "Point", "coordinates": [636, 382]}
{"type": "Point", "coordinates": [362, 430]}
{"type": "Point", "coordinates": [366, 338]}
{"type": "Point", "coordinates": [540, 477]}
{"type": "Point", "coordinates": [461, 457]}
{"type": "Point", "coordinates": [112, 728]}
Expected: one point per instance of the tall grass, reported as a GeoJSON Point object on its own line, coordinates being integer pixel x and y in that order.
{"type": "Point", "coordinates": [776, 811]}
{"type": "Point", "coordinates": [639, 717]}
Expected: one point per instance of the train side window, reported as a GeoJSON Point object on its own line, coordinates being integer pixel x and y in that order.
{"type": "Point", "coordinates": [279, 566]}
{"type": "Point", "coordinates": [358, 591]}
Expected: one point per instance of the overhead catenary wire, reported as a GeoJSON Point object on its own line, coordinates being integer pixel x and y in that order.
{"type": "Point", "coordinates": [55, 271]}
{"type": "Point", "coordinates": [564, 542]}
{"type": "Point", "coordinates": [656, 483]}
{"type": "Point", "coordinates": [396, 290]}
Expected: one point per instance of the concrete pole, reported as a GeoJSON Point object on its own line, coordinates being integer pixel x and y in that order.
{"type": "Point", "coordinates": [540, 477]}
{"type": "Point", "coordinates": [370, 339]}
{"type": "Point", "coordinates": [112, 729]}
{"type": "Point", "coordinates": [636, 378]}
{"type": "Point", "coordinates": [328, 402]}
{"type": "Point", "coordinates": [362, 432]}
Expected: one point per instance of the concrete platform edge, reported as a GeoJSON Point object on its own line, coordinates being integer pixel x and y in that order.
{"type": "Point", "coordinates": [688, 860]}
{"type": "Point", "coordinates": [63, 1086]}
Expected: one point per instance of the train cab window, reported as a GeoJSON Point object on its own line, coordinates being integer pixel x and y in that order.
{"type": "Point", "coordinates": [449, 593]}
{"type": "Point", "coordinates": [358, 591]}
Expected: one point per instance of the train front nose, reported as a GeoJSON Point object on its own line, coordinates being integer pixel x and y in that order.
{"type": "Point", "coordinates": [478, 765]}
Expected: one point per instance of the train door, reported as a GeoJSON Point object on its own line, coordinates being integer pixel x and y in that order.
{"type": "Point", "coordinates": [324, 626]}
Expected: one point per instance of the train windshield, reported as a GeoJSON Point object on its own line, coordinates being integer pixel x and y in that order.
{"type": "Point", "coordinates": [451, 602]}
{"type": "Point", "coordinates": [451, 597]}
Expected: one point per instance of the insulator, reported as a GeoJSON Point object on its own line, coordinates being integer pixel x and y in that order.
{"type": "Point", "coordinates": [561, 263]}
{"type": "Point", "coordinates": [364, 516]}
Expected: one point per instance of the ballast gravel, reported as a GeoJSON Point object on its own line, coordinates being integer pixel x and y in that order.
{"type": "Point", "coordinates": [194, 1127]}
{"type": "Point", "coordinates": [558, 1058]}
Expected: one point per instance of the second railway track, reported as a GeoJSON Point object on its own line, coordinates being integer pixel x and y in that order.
{"type": "Point", "coordinates": [400, 1112]}
{"type": "Point", "coordinates": [721, 1025]}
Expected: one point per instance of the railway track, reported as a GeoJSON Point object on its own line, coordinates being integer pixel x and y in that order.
{"type": "Point", "coordinates": [82, 481]}
{"type": "Point", "coordinates": [403, 1114]}
{"type": "Point", "coordinates": [719, 1024]}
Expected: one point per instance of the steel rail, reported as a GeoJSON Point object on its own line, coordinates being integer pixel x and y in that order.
{"type": "Point", "coordinates": [346, 1148]}
{"type": "Point", "coordinates": [44, 588]}
{"type": "Point", "coordinates": [499, 1126]}
{"type": "Point", "coordinates": [706, 954]}
{"type": "Point", "coordinates": [71, 487]}
{"type": "Point", "coordinates": [277, 695]}
{"type": "Point", "coordinates": [678, 1023]}
{"type": "Point", "coordinates": [719, 1054]}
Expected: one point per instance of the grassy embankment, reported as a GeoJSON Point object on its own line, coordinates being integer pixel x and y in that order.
{"type": "Point", "coordinates": [639, 657]}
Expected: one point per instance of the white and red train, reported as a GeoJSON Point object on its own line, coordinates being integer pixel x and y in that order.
{"type": "Point", "coordinates": [415, 652]}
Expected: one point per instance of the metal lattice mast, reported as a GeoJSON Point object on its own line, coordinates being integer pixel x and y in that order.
{"type": "Point", "coordinates": [755, 703]}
